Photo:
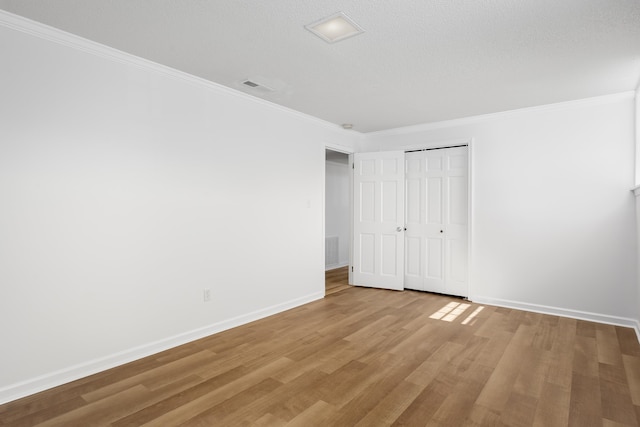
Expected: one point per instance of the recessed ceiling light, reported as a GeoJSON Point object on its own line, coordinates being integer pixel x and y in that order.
{"type": "Point", "coordinates": [347, 126]}
{"type": "Point", "coordinates": [335, 28]}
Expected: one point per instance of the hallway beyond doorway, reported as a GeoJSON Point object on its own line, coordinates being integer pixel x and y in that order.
{"type": "Point", "coordinates": [336, 280]}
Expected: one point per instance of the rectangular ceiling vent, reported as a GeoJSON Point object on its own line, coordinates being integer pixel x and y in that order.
{"type": "Point", "coordinates": [257, 86]}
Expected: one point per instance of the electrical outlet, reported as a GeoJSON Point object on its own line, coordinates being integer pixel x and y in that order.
{"type": "Point", "coordinates": [207, 295]}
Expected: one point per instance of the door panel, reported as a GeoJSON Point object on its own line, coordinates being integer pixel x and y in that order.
{"type": "Point", "coordinates": [434, 262]}
{"type": "Point", "coordinates": [390, 201]}
{"type": "Point", "coordinates": [434, 201]}
{"type": "Point", "coordinates": [367, 259]}
{"type": "Point", "coordinates": [458, 200]}
{"type": "Point", "coordinates": [379, 220]}
{"type": "Point", "coordinates": [413, 190]}
{"type": "Point", "coordinates": [389, 248]}
{"type": "Point", "coordinates": [367, 201]}
{"type": "Point", "coordinates": [413, 256]}
{"type": "Point", "coordinates": [440, 189]}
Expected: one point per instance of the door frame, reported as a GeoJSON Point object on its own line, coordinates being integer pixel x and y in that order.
{"type": "Point", "coordinates": [349, 151]}
{"type": "Point", "coordinates": [470, 160]}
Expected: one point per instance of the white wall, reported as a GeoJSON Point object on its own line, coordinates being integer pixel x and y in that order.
{"type": "Point", "coordinates": [552, 215]}
{"type": "Point", "coordinates": [337, 213]}
{"type": "Point", "coordinates": [126, 189]}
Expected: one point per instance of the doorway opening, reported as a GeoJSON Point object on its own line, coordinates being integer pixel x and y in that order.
{"type": "Point", "coordinates": [337, 220]}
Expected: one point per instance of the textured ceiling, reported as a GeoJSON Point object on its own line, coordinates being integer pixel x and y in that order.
{"type": "Point", "coordinates": [418, 61]}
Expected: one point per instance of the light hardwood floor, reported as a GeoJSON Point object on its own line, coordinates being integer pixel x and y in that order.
{"type": "Point", "coordinates": [367, 357]}
{"type": "Point", "coordinates": [336, 280]}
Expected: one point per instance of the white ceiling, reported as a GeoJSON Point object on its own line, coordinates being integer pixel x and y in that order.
{"type": "Point", "coordinates": [418, 61]}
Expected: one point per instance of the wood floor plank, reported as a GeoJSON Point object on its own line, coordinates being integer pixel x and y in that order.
{"type": "Point", "coordinates": [372, 330]}
{"type": "Point", "coordinates": [427, 403]}
{"type": "Point", "coordinates": [531, 379]}
{"type": "Point", "coordinates": [367, 357]}
{"type": "Point", "coordinates": [616, 402]}
{"type": "Point", "coordinates": [293, 398]}
{"type": "Point", "coordinates": [216, 414]}
{"type": "Point", "coordinates": [431, 367]}
{"type": "Point", "coordinates": [610, 423]}
{"type": "Point", "coordinates": [523, 336]}
{"type": "Point", "coordinates": [498, 388]}
{"type": "Point", "coordinates": [628, 341]}
{"type": "Point", "coordinates": [176, 399]}
{"type": "Point", "coordinates": [153, 378]}
{"type": "Point", "coordinates": [562, 353]}
{"type": "Point", "coordinates": [545, 332]}
{"type": "Point", "coordinates": [585, 357]}
{"type": "Point", "coordinates": [381, 378]}
{"type": "Point", "coordinates": [102, 411]}
{"type": "Point", "coordinates": [632, 371]}
{"type": "Point", "coordinates": [45, 401]}
{"type": "Point", "coordinates": [493, 324]}
{"type": "Point", "coordinates": [269, 420]}
{"type": "Point", "coordinates": [317, 414]}
{"type": "Point", "coordinates": [585, 329]}
{"type": "Point", "coordinates": [519, 410]}
{"type": "Point", "coordinates": [494, 348]}
{"type": "Point", "coordinates": [184, 412]}
{"type": "Point", "coordinates": [585, 407]}
{"type": "Point", "coordinates": [456, 408]}
{"type": "Point", "coordinates": [31, 418]}
{"type": "Point", "coordinates": [553, 406]}
{"type": "Point", "coordinates": [479, 416]}
{"type": "Point", "coordinates": [608, 345]}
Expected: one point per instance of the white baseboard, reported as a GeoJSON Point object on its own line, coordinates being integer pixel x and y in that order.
{"type": "Point", "coordinates": [636, 327]}
{"type": "Point", "coordinates": [72, 373]}
{"type": "Point", "coordinates": [334, 266]}
{"type": "Point", "coordinates": [564, 312]}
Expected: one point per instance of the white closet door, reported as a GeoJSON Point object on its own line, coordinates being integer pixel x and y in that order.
{"type": "Point", "coordinates": [436, 220]}
{"type": "Point", "coordinates": [378, 227]}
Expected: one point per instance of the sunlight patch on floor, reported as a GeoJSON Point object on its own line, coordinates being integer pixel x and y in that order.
{"type": "Point", "coordinates": [471, 319]}
{"type": "Point", "coordinates": [450, 312]}
{"type": "Point", "coordinates": [453, 310]}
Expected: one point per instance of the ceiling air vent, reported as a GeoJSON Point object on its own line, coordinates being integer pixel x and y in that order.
{"type": "Point", "coordinates": [257, 86]}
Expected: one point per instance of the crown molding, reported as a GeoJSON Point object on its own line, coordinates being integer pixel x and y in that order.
{"type": "Point", "coordinates": [55, 35]}
{"type": "Point", "coordinates": [465, 121]}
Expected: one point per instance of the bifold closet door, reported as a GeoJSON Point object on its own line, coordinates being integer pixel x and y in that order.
{"type": "Point", "coordinates": [378, 226]}
{"type": "Point", "coordinates": [436, 237]}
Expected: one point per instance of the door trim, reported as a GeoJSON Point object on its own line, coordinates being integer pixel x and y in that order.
{"type": "Point", "coordinates": [345, 150]}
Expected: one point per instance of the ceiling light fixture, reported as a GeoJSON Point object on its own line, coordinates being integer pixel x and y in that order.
{"type": "Point", "coordinates": [347, 126]}
{"type": "Point", "coordinates": [335, 28]}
